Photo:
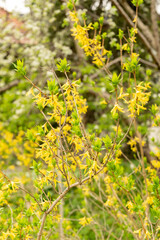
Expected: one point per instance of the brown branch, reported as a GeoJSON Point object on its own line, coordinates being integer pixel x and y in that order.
{"type": "Point", "coordinates": [45, 95]}
{"type": "Point", "coordinates": [8, 180]}
{"type": "Point", "coordinates": [54, 204]}
{"type": "Point", "coordinates": [9, 86]}
{"type": "Point", "coordinates": [61, 208]}
{"type": "Point", "coordinates": [140, 34]}
{"type": "Point", "coordinates": [26, 191]}
{"type": "Point", "coordinates": [107, 98]}
{"type": "Point", "coordinates": [155, 26]}
{"type": "Point", "coordinates": [117, 60]}
{"type": "Point", "coordinates": [143, 27]}
{"type": "Point", "coordinates": [61, 196]}
{"type": "Point", "coordinates": [148, 63]}
{"type": "Point", "coordinates": [145, 62]}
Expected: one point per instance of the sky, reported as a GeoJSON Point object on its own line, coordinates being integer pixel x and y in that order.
{"type": "Point", "coordinates": [17, 5]}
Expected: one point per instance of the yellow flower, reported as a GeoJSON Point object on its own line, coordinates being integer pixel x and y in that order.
{"type": "Point", "coordinates": [73, 17]}
{"type": "Point", "coordinates": [150, 200]}
{"type": "Point", "coordinates": [92, 47]}
{"type": "Point", "coordinates": [147, 235]}
{"type": "Point", "coordinates": [116, 108]}
{"type": "Point", "coordinates": [110, 201]}
{"type": "Point", "coordinates": [122, 95]}
{"type": "Point", "coordinates": [31, 91]}
{"type": "Point", "coordinates": [134, 55]}
{"type": "Point", "coordinates": [139, 232]}
{"type": "Point", "coordinates": [135, 19]}
{"type": "Point", "coordinates": [156, 163]}
{"type": "Point", "coordinates": [133, 39]}
{"type": "Point", "coordinates": [133, 143]}
{"type": "Point", "coordinates": [130, 206]}
{"type": "Point", "coordinates": [125, 47]}
{"type": "Point", "coordinates": [85, 221]}
{"type": "Point", "coordinates": [86, 191]}
{"type": "Point", "coordinates": [139, 98]}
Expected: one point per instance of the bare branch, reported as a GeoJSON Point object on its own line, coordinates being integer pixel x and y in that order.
{"type": "Point", "coordinates": [143, 27]}
{"type": "Point", "coordinates": [9, 86]}
{"type": "Point", "coordinates": [155, 26]}
{"type": "Point", "coordinates": [140, 34]}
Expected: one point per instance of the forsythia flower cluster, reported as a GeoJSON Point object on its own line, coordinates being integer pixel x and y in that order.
{"type": "Point", "coordinates": [12, 145]}
{"type": "Point", "coordinates": [139, 98]}
{"type": "Point", "coordinates": [92, 47]}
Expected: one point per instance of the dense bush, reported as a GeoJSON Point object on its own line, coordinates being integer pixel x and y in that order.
{"type": "Point", "coordinates": [83, 168]}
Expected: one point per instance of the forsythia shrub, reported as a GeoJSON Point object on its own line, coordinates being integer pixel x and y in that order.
{"type": "Point", "coordinates": [68, 156]}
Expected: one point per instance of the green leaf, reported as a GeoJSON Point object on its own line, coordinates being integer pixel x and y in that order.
{"type": "Point", "coordinates": [154, 109]}
{"type": "Point", "coordinates": [115, 79]}
{"type": "Point", "coordinates": [107, 141]}
{"type": "Point", "coordinates": [19, 67]}
{"type": "Point", "coordinates": [148, 72]}
{"type": "Point", "coordinates": [63, 66]}
{"type": "Point", "coordinates": [101, 20]}
{"type": "Point", "coordinates": [97, 145]}
{"type": "Point", "coordinates": [120, 34]}
{"type": "Point", "coordinates": [104, 35]}
{"type": "Point", "coordinates": [70, 5]}
{"type": "Point", "coordinates": [96, 25]}
{"type": "Point", "coordinates": [135, 2]}
{"type": "Point", "coordinates": [52, 86]}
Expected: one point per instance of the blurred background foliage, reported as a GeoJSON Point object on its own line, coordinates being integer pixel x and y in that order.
{"type": "Point", "coordinates": [41, 38]}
